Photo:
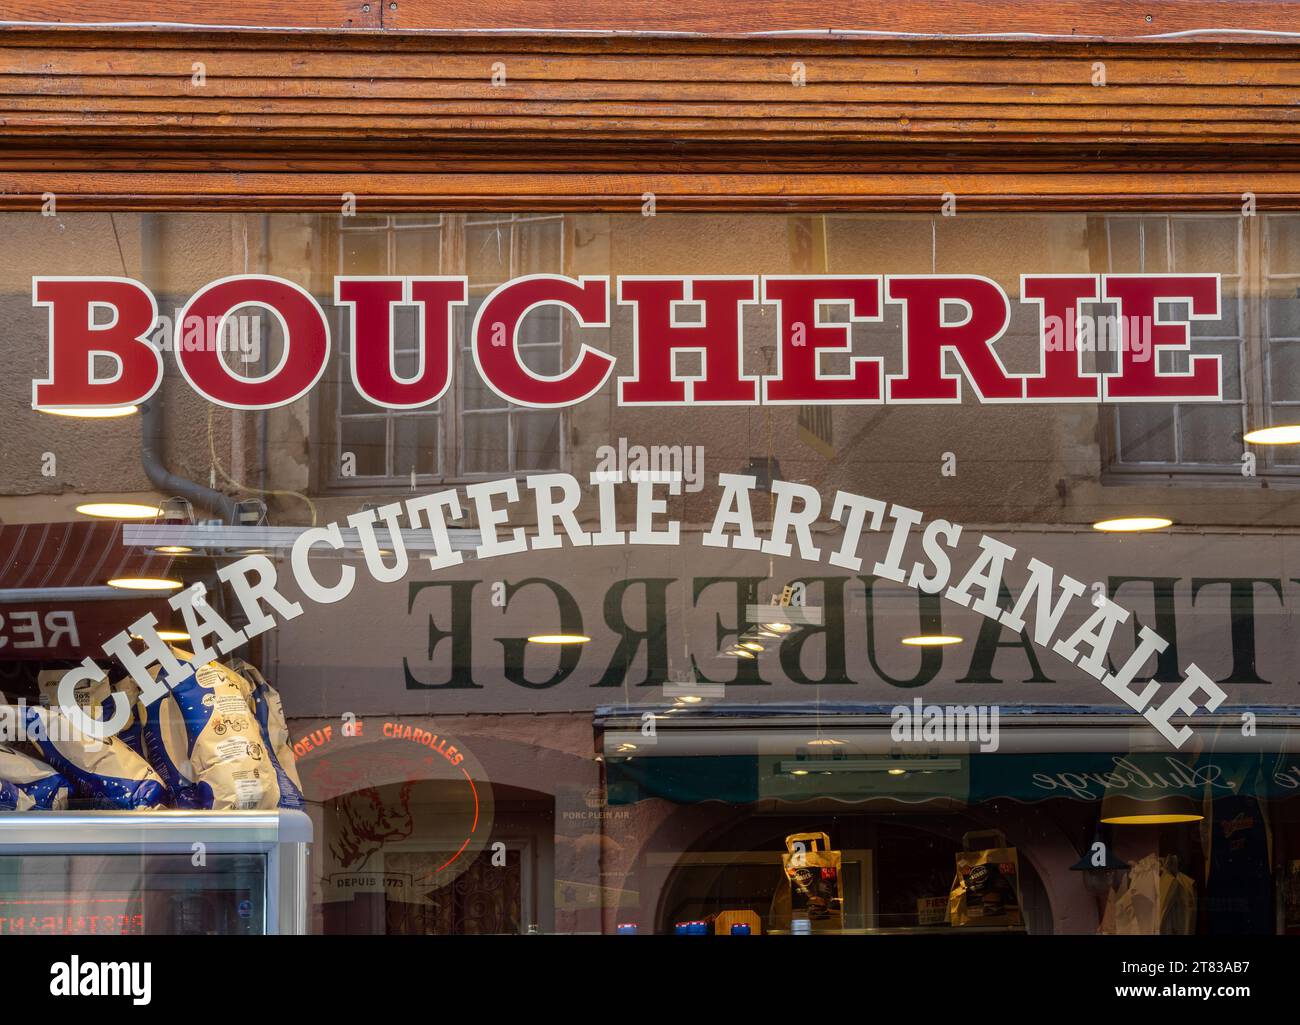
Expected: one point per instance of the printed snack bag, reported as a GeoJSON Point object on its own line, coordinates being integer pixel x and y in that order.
{"type": "Point", "coordinates": [106, 772]}
{"type": "Point", "coordinates": [166, 745]}
{"type": "Point", "coordinates": [269, 712]}
{"type": "Point", "coordinates": [28, 784]}
{"type": "Point", "coordinates": [130, 734]}
{"type": "Point", "coordinates": [816, 885]}
{"type": "Point", "coordinates": [204, 732]}
{"type": "Point", "coordinates": [88, 693]}
{"type": "Point", "coordinates": [96, 694]}
{"type": "Point", "coordinates": [986, 890]}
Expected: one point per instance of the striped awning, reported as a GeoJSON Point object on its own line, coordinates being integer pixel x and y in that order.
{"type": "Point", "coordinates": [55, 602]}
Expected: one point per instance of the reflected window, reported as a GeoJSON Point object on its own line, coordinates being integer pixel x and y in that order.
{"type": "Point", "coordinates": [1257, 339]}
{"type": "Point", "coordinates": [471, 432]}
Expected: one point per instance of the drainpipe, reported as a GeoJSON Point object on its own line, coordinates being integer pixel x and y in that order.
{"type": "Point", "coordinates": [152, 420]}
{"type": "Point", "coordinates": [264, 267]}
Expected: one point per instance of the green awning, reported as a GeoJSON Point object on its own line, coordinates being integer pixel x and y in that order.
{"type": "Point", "coordinates": [744, 779]}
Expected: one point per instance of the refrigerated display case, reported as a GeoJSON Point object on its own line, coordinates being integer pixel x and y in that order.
{"type": "Point", "coordinates": [154, 873]}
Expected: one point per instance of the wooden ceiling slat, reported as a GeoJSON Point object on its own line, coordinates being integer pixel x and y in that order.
{"type": "Point", "coordinates": [1064, 18]}
{"type": "Point", "coordinates": [397, 113]}
{"type": "Point", "coordinates": [405, 120]}
{"type": "Point", "coordinates": [627, 185]}
{"type": "Point", "coordinates": [481, 92]}
{"type": "Point", "coordinates": [857, 63]}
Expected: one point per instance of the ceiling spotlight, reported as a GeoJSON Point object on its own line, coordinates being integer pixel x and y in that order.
{"type": "Point", "coordinates": [165, 635]}
{"type": "Point", "coordinates": [92, 413]}
{"type": "Point", "coordinates": [145, 583]}
{"type": "Point", "coordinates": [1129, 524]}
{"type": "Point", "coordinates": [1283, 434]}
{"type": "Point", "coordinates": [120, 510]}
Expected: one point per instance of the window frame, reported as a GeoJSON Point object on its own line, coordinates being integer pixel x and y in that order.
{"type": "Point", "coordinates": [1254, 367]}
{"type": "Point", "coordinates": [462, 341]}
{"type": "Point", "coordinates": [1269, 452]}
{"type": "Point", "coordinates": [327, 401]}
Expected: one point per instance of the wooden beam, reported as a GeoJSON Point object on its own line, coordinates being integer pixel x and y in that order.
{"type": "Point", "coordinates": [198, 118]}
{"type": "Point", "coordinates": [1112, 19]}
{"type": "Point", "coordinates": [1223, 191]}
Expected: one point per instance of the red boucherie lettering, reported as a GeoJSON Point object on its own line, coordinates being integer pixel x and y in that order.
{"type": "Point", "coordinates": [101, 353]}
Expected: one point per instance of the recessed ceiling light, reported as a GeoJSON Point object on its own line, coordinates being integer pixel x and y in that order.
{"type": "Point", "coordinates": [95, 413]}
{"type": "Point", "coordinates": [751, 646]}
{"type": "Point", "coordinates": [931, 640]}
{"type": "Point", "coordinates": [165, 635]}
{"type": "Point", "coordinates": [120, 510]}
{"type": "Point", "coordinates": [778, 628]}
{"type": "Point", "coordinates": [1127, 524]}
{"type": "Point", "coordinates": [172, 549]}
{"type": "Point", "coordinates": [145, 583]}
{"type": "Point", "coordinates": [558, 639]}
{"type": "Point", "coordinates": [1151, 820]}
{"type": "Point", "coordinates": [1283, 434]}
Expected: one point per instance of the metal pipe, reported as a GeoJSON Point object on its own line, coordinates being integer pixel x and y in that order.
{"type": "Point", "coordinates": [264, 267]}
{"type": "Point", "coordinates": [91, 592]}
{"type": "Point", "coordinates": [152, 420]}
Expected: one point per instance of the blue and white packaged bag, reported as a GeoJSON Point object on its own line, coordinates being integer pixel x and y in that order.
{"type": "Point", "coordinates": [96, 699]}
{"type": "Point", "coordinates": [165, 744]}
{"type": "Point", "coordinates": [130, 734]}
{"type": "Point", "coordinates": [28, 784]}
{"type": "Point", "coordinates": [106, 772]}
{"type": "Point", "coordinates": [204, 739]}
{"type": "Point", "coordinates": [269, 713]}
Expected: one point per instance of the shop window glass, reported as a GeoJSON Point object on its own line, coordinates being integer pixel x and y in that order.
{"type": "Point", "coordinates": [605, 736]}
{"type": "Point", "coordinates": [472, 431]}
